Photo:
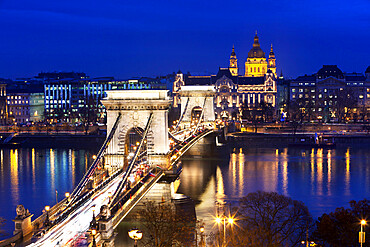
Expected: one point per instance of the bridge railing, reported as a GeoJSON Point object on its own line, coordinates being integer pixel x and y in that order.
{"type": "Point", "coordinates": [85, 197]}
{"type": "Point", "coordinates": [133, 196]}
{"type": "Point", "coordinates": [188, 144]}
{"type": "Point", "coordinates": [76, 192]}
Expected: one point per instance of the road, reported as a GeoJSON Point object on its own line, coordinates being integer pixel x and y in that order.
{"type": "Point", "coordinates": [78, 222]}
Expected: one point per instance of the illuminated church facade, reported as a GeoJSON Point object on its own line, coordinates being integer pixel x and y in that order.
{"type": "Point", "coordinates": [256, 86]}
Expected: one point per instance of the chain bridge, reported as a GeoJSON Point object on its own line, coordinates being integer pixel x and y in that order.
{"type": "Point", "coordinates": [140, 149]}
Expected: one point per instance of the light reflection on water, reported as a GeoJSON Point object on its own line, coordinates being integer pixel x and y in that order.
{"type": "Point", "coordinates": [323, 179]}
{"type": "Point", "coordinates": [31, 176]}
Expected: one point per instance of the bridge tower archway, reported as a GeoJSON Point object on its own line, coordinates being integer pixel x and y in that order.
{"type": "Point", "coordinates": [135, 107]}
{"type": "Point", "coordinates": [195, 98]}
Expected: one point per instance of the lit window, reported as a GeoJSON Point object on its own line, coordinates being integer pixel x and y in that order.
{"type": "Point", "coordinates": [320, 95]}
{"type": "Point", "coordinates": [361, 96]}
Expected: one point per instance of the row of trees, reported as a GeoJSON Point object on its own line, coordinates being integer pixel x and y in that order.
{"type": "Point", "coordinates": [262, 219]}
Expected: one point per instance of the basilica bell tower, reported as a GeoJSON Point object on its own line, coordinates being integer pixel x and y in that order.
{"type": "Point", "coordinates": [272, 61]}
{"type": "Point", "coordinates": [233, 63]}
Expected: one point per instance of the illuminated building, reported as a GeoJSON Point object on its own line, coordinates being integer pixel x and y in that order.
{"type": "Point", "coordinates": [66, 99]}
{"type": "Point", "coordinates": [256, 64]}
{"type": "Point", "coordinates": [258, 85]}
{"type": "Point", "coordinates": [331, 95]}
{"type": "Point", "coordinates": [3, 108]}
{"type": "Point", "coordinates": [25, 106]}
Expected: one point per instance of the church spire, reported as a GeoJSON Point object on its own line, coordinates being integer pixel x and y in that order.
{"type": "Point", "coordinates": [272, 61]}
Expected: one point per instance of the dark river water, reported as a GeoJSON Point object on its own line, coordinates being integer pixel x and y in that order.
{"type": "Point", "coordinates": [323, 179]}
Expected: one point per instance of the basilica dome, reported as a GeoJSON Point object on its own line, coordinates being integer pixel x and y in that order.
{"type": "Point", "coordinates": [256, 51]}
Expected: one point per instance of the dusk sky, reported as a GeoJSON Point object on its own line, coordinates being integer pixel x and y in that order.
{"type": "Point", "coordinates": [149, 38]}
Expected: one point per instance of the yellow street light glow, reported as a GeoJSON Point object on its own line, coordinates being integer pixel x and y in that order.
{"type": "Point", "coordinates": [47, 208]}
{"type": "Point", "coordinates": [67, 194]}
{"type": "Point", "coordinates": [137, 143]}
{"type": "Point", "coordinates": [230, 220]}
{"type": "Point", "coordinates": [201, 229]}
{"type": "Point", "coordinates": [93, 232]}
{"type": "Point", "coordinates": [363, 222]}
{"type": "Point", "coordinates": [94, 157]}
{"type": "Point", "coordinates": [218, 220]}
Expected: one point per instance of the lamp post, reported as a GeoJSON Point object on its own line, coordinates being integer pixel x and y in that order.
{"type": "Point", "coordinates": [93, 223]}
{"type": "Point", "coordinates": [67, 196]}
{"type": "Point", "coordinates": [47, 220]}
{"type": "Point", "coordinates": [223, 219]}
{"type": "Point", "coordinates": [362, 233]}
{"type": "Point", "coordinates": [93, 233]}
{"type": "Point", "coordinates": [136, 235]}
{"type": "Point", "coordinates": [201, 229]}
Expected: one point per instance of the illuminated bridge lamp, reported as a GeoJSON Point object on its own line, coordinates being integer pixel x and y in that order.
{"type": "Point", "coordinates": [94, 157]}
{"type": "Point", "coordinates": [47, 220]}
{"type": "Point", "coordinates": [67, 196]}
{"type": "Point", "coordinates": [93, 233]}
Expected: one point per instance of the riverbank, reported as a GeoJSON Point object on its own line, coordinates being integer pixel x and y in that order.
{"type": "Point", "coordinates": [55, 140]}
{"type": "Point", "coordinates": [278, 140]}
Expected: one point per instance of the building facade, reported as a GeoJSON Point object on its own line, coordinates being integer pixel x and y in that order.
{"type": "Point", "coordinates": [233, 91]}
{"type": "Point", "coordinates": [69, 100]}
{"type": "Point", "coordinates": [3, 105]}
{"type": "Point", "coordinates": [331, 96]}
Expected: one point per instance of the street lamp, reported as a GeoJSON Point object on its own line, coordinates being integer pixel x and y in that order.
{"type": "Point", "coordinates": [67, 196]}
{"type": "Point", "coordinates": [93, 223]}
{"type": "Point", "coordinates": [136, 235]}
{"type": "Point", "coordinates": [93, 233]}
{"type": "Point", "coordinates": [201, 229]}
{"type": "Point", "coordinates": [362, 233]}
{"type": "Point", "coordinates": [47, 220]}
{"type": "Point", "coordinates": [223, 219]}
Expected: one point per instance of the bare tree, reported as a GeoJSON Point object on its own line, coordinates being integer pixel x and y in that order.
{"type": "Point", "coordinates": [269, 219]}
{"type": "Point", "coordinates": [163, 226]}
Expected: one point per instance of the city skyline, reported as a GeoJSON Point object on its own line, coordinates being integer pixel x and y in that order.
{"type": "Point", "coordinates": [157, 38]}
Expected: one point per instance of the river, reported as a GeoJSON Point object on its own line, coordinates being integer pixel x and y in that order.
{"type": "Point", "coordinates": [323, 179]}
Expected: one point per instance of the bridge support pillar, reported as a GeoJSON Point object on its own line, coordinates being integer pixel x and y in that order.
{"type": "Point", "coordinates": [107, 232]}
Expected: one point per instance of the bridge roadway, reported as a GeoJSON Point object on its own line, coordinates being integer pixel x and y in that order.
{"type": "Point", "coordinates": [77, 222]}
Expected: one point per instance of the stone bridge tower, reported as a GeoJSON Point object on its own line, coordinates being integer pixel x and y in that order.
{"type": "Point", "coordinates": [135, 106]}
{"type": "Point", "coordinates": [197, 97]}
